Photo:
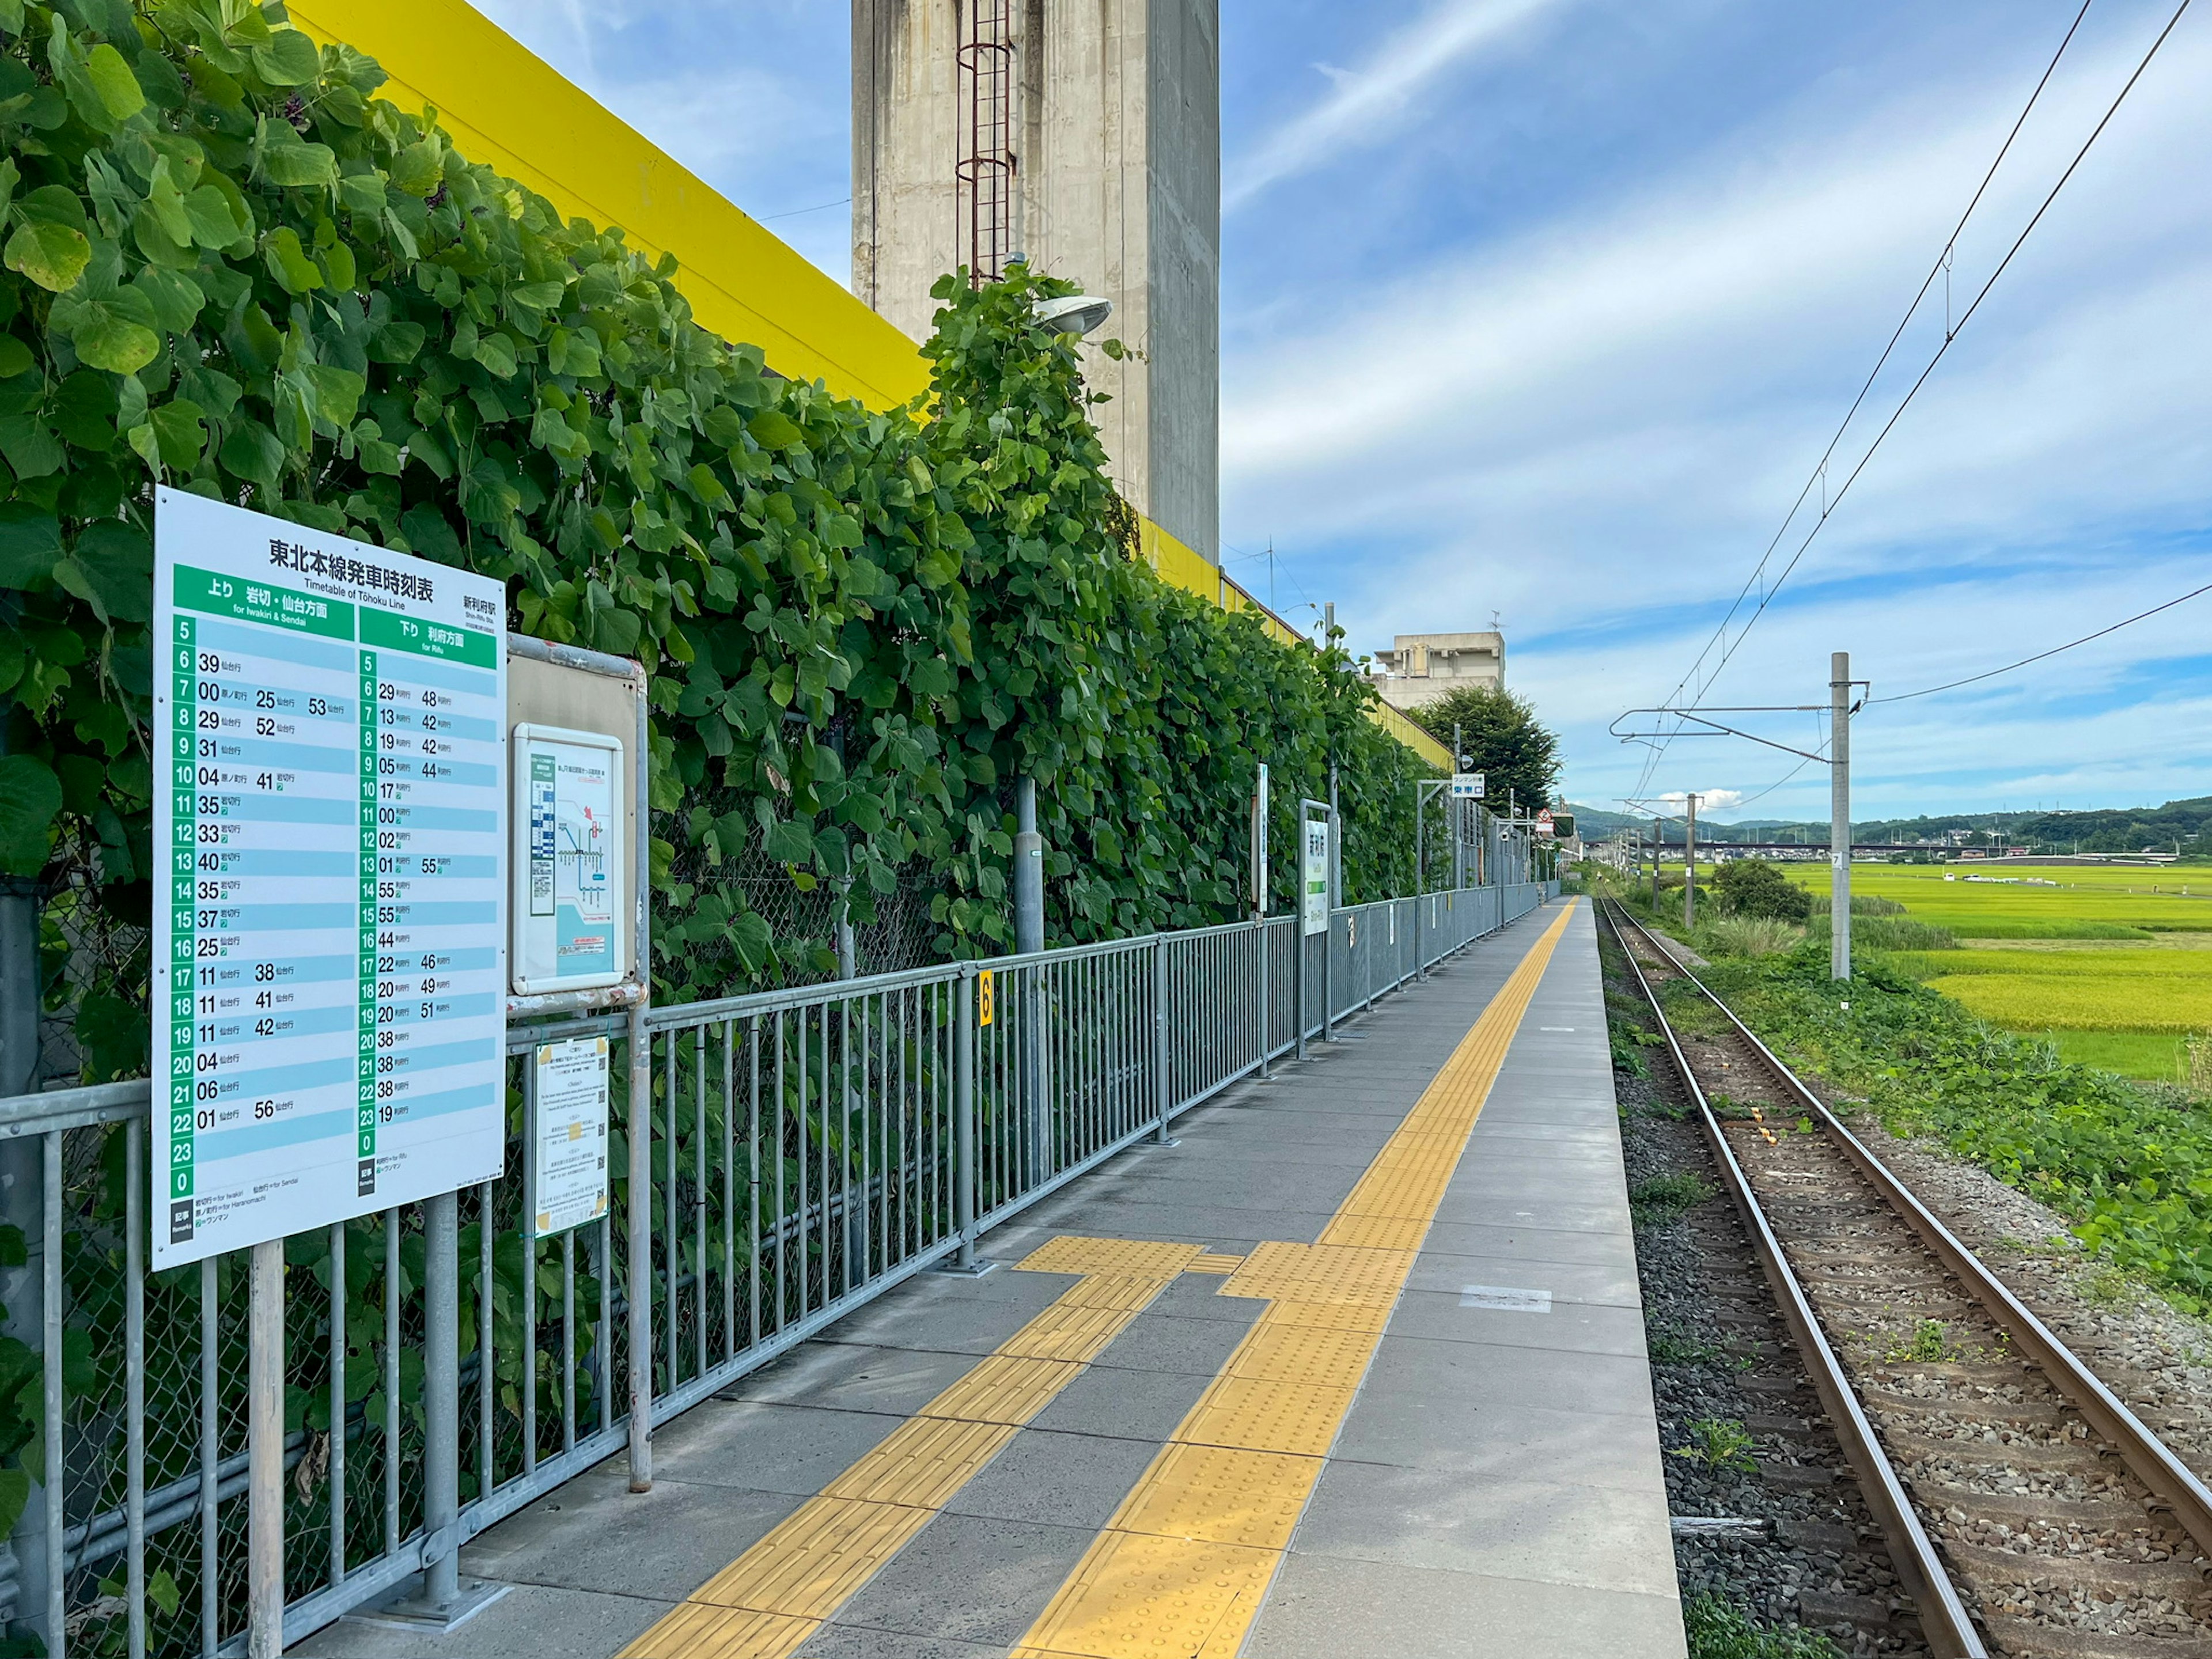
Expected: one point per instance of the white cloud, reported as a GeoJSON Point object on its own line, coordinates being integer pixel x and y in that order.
{"type": "Point", "coordinates": [1365, 105]}
{"type": "Point", "coordinates": [1595, 424]}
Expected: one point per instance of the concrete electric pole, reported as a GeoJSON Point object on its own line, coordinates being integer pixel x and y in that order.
{"type": "Point", "coordinates": [1690, 866]}
{"type": "Point", "coordinates": [1839, 815]}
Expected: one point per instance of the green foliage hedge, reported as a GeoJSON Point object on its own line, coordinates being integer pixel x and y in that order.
{"type": "Point", "coordinates": [232, 268]}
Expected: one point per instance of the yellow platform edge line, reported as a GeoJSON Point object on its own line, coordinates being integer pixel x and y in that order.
{"type": "Point", "coordinates": [1182, 1567]}
{"type": "Point", "coordinates": [766, 1604]}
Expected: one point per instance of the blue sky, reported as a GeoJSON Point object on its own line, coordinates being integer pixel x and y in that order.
{"type": "Point", "coordinates": [1549, 307]}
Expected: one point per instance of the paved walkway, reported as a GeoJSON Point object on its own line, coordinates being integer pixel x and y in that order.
{"type": "Point", "coordinates": [1310, 1385]}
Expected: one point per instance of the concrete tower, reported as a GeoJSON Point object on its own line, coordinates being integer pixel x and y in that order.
{"type": "Point", "coordinates": [1111, 118]}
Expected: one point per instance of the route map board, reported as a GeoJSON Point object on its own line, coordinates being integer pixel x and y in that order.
{"type": "Point", "coordinates": [330, 936]}
{"type": "Point", "coordinates": [572, 921]}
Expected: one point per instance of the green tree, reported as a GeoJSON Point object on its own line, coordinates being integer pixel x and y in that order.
{"type": "Point", "coordinates": [1501, 735]}
{"type": "Point", "coordinates": [1753, 887]}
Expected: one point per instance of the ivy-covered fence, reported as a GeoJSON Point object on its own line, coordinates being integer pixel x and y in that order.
{"type": "Point", "coordinates": [231, 267]}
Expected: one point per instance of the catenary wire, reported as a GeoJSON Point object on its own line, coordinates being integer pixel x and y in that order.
{"type": "Point", "coordinates": [1889, 348]}
{"type": "Point", "coordinates": [1991, 673]}
{"type": "Point", "coordinates": [1951, 333]}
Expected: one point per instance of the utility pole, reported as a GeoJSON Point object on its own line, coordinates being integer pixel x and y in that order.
{"type": "Point", "coordinates": [1839, 815]}
{"type": "Point", "coordinates": [1689, 866]}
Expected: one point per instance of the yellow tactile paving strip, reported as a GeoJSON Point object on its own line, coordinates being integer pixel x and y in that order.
{"type": "Point", "coordinates": [767, 1603]}
{"type": "Point", "coordinates": [1181, 1569]}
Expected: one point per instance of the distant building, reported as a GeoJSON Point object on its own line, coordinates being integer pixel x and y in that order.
{"type": "Point", "coordinates": [1419, 668]}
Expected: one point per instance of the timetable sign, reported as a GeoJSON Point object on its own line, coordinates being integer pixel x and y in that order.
{"type": "Point", "coordinates": [330, 930]}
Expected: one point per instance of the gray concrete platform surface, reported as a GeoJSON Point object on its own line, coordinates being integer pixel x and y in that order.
{"type": "Point", "coordinates": [1493, 1487]}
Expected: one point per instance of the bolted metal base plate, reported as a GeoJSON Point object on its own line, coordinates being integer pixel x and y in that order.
{"type": "Point", "coordinates": [951, 1268]}
{"type": "Point", "coordinates": [408, 1610]}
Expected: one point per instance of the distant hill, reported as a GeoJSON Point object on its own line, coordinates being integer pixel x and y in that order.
{"type": "Point", "coordinates": [2186, 825]}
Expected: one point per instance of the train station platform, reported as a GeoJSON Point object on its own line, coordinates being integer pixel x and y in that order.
{"type": "Point", "coordinates": [1355, 1370]}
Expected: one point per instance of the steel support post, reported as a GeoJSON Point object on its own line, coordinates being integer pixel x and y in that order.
{"type": "Point", "coordinates": [1164, 1080]}
{"type": "Point", "coordinates": [639, 1249]}
{"type": "Point", "coordinates": [441, 1397]}
{"type": "Point", "coordinates": [265, 1455]}
{"type": "Point", "coordinates": [22, 1288]}
{"type": "Point", "coordinates": [1420, 870]}
{"type": "Point", "coordinates": [963, 1119]}
{"type": "Point", "coordinates": [1262, 1018]}
{"type": "Point", "coordinates": [1028, 1011]}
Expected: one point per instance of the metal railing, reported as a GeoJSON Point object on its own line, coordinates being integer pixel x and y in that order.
{"type": "Point", "coordinates": [807, 1150]}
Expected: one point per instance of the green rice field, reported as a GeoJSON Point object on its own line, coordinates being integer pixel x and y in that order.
{"type": "Point", "coordinates": [2112, 963]}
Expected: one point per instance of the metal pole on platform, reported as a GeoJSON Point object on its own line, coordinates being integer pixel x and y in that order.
{"type": "Point", "coordinates": [1839, 815]}
{"type": "Point", "coordinates": [1259, 909]}
{"type": "Point", "coordinates": [22, 1288]}
{"type": "Point", "coordinates": [1029, 936]}
{"type": "Point", "coordinates": [265, 1455]}
{"type": "Point", "coordinates": [1421, 870]}
{"type": "Point", "coordinates": [441, 1398]}
{"type": "Point", "coordinates": [639, 1250]}
{"type": "Point", "coordinates": [1165, 1081]}
{"type": "Point", "coordinates": [963, 1112]}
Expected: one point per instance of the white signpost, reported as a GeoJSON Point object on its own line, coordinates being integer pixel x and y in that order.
{"type": "Point", "coordinates": [568, 1136]}
{"type": "Point", "coordinates": [572, 918]}
{"type": "Point", "coordinates": [1314, 887]}
{"type": "Point", "coordinates": [1469, 786]}
{"type": "Point", "coordinates": [330, 932]}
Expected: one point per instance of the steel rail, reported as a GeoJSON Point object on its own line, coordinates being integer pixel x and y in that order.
{"type": "Point", "coordinates": [1945, 1623]}
{"type": "Point", "coordinates": [2173, 1488]}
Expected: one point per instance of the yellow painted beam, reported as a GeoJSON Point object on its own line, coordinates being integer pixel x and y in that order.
{"type": "Point", "coordinates": [504, 106]}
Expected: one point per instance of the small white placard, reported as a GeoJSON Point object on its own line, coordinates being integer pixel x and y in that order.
{"type": "Point", "coordinates": [1469, 786]}
{"type": "Point", "coordinates": [568, 1138]}
{"type": "Point", "coordinates": [1504, 1298]}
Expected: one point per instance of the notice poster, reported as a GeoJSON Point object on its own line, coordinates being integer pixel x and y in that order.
{"type": "Point", "coordinates": [568, 1134]}
{"type": "Point", "coordinates": [1314, 884]}
{"type": "Point", "coordinates": [573, 926]}
{"type": "Point", "coordinates": [329, 958]}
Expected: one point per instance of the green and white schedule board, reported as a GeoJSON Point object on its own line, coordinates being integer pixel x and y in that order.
{"type": "Point", "coordinates": [329, 939]}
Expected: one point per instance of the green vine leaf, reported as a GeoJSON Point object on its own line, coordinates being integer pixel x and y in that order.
{"type": "Point", "coordinates": [30, 801]}
{"type": "Point", "coordinates": [53, 256]}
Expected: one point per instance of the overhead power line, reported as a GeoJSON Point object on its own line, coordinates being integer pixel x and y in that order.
{"type": "Point", "coordinates": [1829, 503]}
{"type": "Point", "coordinates": [1991, 673]}
{"type": "Point", "coordinates": [1942, 264]}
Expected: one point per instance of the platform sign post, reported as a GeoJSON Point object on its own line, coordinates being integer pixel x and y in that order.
{"type": "Point", "coordinates": [329, 923]}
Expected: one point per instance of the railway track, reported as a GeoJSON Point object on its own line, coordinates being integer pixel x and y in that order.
{"type": "Point", "coordinates": [2026, 1511]}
